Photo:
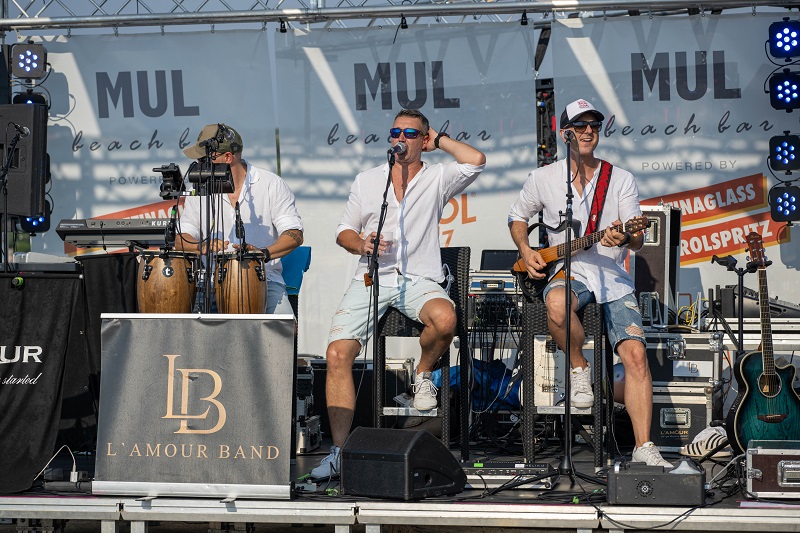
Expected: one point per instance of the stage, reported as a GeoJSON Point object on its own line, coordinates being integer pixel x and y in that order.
{"type": "Point", "coordinates": [321, 506]}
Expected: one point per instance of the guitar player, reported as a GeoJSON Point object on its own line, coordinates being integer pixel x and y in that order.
{"type": "Point", "coordinates": [604, 196]}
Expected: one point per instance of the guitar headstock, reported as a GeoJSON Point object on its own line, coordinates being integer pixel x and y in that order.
{"type": "Point", "coordinates": [755, 246]}
{"type": "Point", "coordinates": [637, 224]}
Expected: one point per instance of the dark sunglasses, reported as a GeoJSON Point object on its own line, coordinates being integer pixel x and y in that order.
{"type": "Point", "coordinates": [581, 125]}
{"type": "Point", "coordinates": [410, 133]}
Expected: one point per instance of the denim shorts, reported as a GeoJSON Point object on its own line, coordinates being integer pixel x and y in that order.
{"type": "Point", "coordinates": [353, 318]}
{"type": "Point", "coordinates": [622, 317]}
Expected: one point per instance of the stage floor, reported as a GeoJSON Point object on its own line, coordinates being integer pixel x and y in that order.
{"type": "Point", "coordinates": [578, 506]}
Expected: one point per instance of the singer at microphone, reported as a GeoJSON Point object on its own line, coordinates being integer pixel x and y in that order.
{"type": "Point", "coordinates": [409, 262]}
{"type": "Point", "coordinates": [213, 225]}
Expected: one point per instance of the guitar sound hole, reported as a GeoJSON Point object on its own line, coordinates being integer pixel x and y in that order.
{"type": "Point", "coordinates": [769, 385]}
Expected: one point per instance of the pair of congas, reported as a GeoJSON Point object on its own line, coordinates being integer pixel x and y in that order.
{"type": "Point", "coordinates": [167, 282]}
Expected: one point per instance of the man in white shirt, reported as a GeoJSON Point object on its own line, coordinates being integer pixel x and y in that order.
{"type": "Point", "coordinates": [409, 264]}
{"type": "Point", "coordinates": [598, 273]}
{"type": "Point", "coordinates": [267, 209]}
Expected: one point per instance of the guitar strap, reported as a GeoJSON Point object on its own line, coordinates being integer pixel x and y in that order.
{"type": "Point", "coordinates": [599, 199]}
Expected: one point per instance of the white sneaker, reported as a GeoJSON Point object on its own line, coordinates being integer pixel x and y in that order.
{"type": "Point", "coordinates": [580, 383]}
{"type": "Point", "coordinates": [648, 453]}
{"type": "Point", "coordinates": [329, 467]}
{"type": "Point", "coordinates": [424, 392]}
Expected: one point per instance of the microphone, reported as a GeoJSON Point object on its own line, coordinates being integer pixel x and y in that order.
{"type": "Point", "coordinates": [569, 135]}
{"type": "Point", "coordinates": [169, 237]}
{"type": "Point", "coordinates": [239, 223]}
{"type": "Point", "coordinates": [399, 148]}
{"type": "Point", "coordinates": [224, 133]}
{"type": "Point", "coordinates": [22, 130]}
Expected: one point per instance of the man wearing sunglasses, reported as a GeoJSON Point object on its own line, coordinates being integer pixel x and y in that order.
{"type": "Point", "coordinates": [409, 264]}
{"type": "Point", "coordinates": [598, 273]}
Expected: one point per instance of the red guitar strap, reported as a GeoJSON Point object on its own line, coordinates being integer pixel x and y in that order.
{"type": "Point", "coordinates": [599, 199]}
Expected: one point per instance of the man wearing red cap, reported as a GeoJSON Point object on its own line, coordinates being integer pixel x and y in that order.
{"type": "Point", "coordinates": [597, 273]}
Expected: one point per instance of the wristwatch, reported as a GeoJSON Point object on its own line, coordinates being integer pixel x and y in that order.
{"type": "Point", "coordinates": [627, 240]}
{"type": "Point", "coordinates": [436, 140]}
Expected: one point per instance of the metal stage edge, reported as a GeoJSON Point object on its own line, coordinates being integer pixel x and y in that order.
{"type": "Point", "coordinates": [112, 511]}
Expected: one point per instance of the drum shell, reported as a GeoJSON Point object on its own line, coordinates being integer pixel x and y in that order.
{"type": "Point", "coordinates": [170, 286]}
{"type": "Point", "coordinates": [241, 286]}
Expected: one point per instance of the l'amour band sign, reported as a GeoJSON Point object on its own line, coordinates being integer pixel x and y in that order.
{"type": "Point", "coordinates": [196, 405]}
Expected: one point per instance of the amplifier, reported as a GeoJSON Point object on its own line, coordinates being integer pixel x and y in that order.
{"type": "Point", "coordinates": [639, 484]}
{"type": "Point", "coordinates": [491, 475]}
{"type": "Point", "coordinates": [656, 267]}
{"type": "Point", "coordinates": [773, 469]}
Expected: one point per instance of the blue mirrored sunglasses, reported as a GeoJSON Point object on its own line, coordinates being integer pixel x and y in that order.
{"type": "Point", "coordinates": [410, 133]}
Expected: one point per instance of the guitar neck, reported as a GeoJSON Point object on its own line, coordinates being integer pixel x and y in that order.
{"type": "Point", "coordinates": [579, 243]}
{"type": "Point", "coordinates": [766, 324]}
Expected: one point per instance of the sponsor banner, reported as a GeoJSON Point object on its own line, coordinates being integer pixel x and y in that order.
{"type": "Point", "coordinates": [192, 408]}
{"type": "Point", "coordinates": [699, 244]}
{"type": "Point", "coordinates": [687, 114]}
{"type": "Point", "coordinates": [716, 201]}
{"type": "Point", "coordinates": [36, 320]}
{"type": "Point", "coordinates": [339, 91]}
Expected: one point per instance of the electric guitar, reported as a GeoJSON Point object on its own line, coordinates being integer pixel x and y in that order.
{"type": "Point", "coordinates": [767, 407]}
{"type": "Point", "coordinates": [552, 254]}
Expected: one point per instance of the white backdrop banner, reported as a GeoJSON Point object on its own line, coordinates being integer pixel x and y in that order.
{"type": "Point", "coordinates": [121, 106]}
{"type": "Point", "coordinates": [686, 112]}
{"type": "Point", "coordinates": [338, 93]}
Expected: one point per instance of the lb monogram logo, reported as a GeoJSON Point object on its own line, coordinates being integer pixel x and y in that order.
{"type": "Point", "coordinates": [188, 378]}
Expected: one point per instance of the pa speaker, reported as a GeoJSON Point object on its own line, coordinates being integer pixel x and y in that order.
{"type": "Point", "coordinates": [399, 464]}
{"type": "Point", "coordinates": [28, 171]}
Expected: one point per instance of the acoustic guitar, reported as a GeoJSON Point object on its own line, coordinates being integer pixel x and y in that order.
{"type": "Point", "coordinates": [767, 407]}
{"type": "Point", "coordinates": [552, 254]}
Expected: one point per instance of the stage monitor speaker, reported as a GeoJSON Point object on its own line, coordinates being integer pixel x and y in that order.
{"type": "Point", "coordinates": [656, 266]}
{"type": "Point", "coordinates": [399, 464]}
{"type": "Point", "coordinates": [28, 171]}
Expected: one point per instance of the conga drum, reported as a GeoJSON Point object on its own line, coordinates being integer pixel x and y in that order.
{"type": "Point", "coordinates": [166, 282]}
{"type": "Point", "coordinates": [241, 283]}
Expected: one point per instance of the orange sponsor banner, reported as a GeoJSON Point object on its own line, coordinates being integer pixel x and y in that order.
{"type": "Point", "coordinates": [728, 237]}
{"type": "Point", "coordinates": [720, 200]}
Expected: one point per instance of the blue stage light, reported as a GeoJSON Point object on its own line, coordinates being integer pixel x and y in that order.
{"type": "Point", "coordinates": [784, 39]}
{"type": "Point", "coordinates": [28, 61]}
{"type": "Point", "coordinates": [784, 203]}
{"type": "Point", "coordinates": [784, 90]}
{"type": "Point", "coordinates": [784, 152]}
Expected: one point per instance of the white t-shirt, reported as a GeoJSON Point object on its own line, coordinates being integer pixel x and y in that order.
{"type": "Point", "coordinates": [267, 208]}
{"type": "Point", "coordinates": [600, 268]}
{"type": "Point", "coordinates": [414, 221]}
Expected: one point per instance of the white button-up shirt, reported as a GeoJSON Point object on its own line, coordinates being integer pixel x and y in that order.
{"type": "Point", "coordinates": [600, 268]}
{"type": "Point", "coordinates": [414, 221]}
{"type": "Point", "coordinates": [267, 208]}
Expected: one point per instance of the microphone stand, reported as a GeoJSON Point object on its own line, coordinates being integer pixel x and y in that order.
{"type": "Point", "coordinates": [565, 467]}
{"type": "Point", "coordinates": [4, 179]}
{"type": "Point", "coordinates": [209, 274]}
{"type": "Point", "coordinates": [372, 278]}
{"type": "Point", "coordinates": [729, 262]}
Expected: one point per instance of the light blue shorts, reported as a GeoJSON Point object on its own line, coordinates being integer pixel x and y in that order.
{"type": "Point", "coordinates": [353, 319]}
{"type": "Point", "coordinates": [622, 317]}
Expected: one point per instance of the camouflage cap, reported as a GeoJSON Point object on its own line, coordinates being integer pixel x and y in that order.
{"type": "Point", "coordinates": [227, 140]}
